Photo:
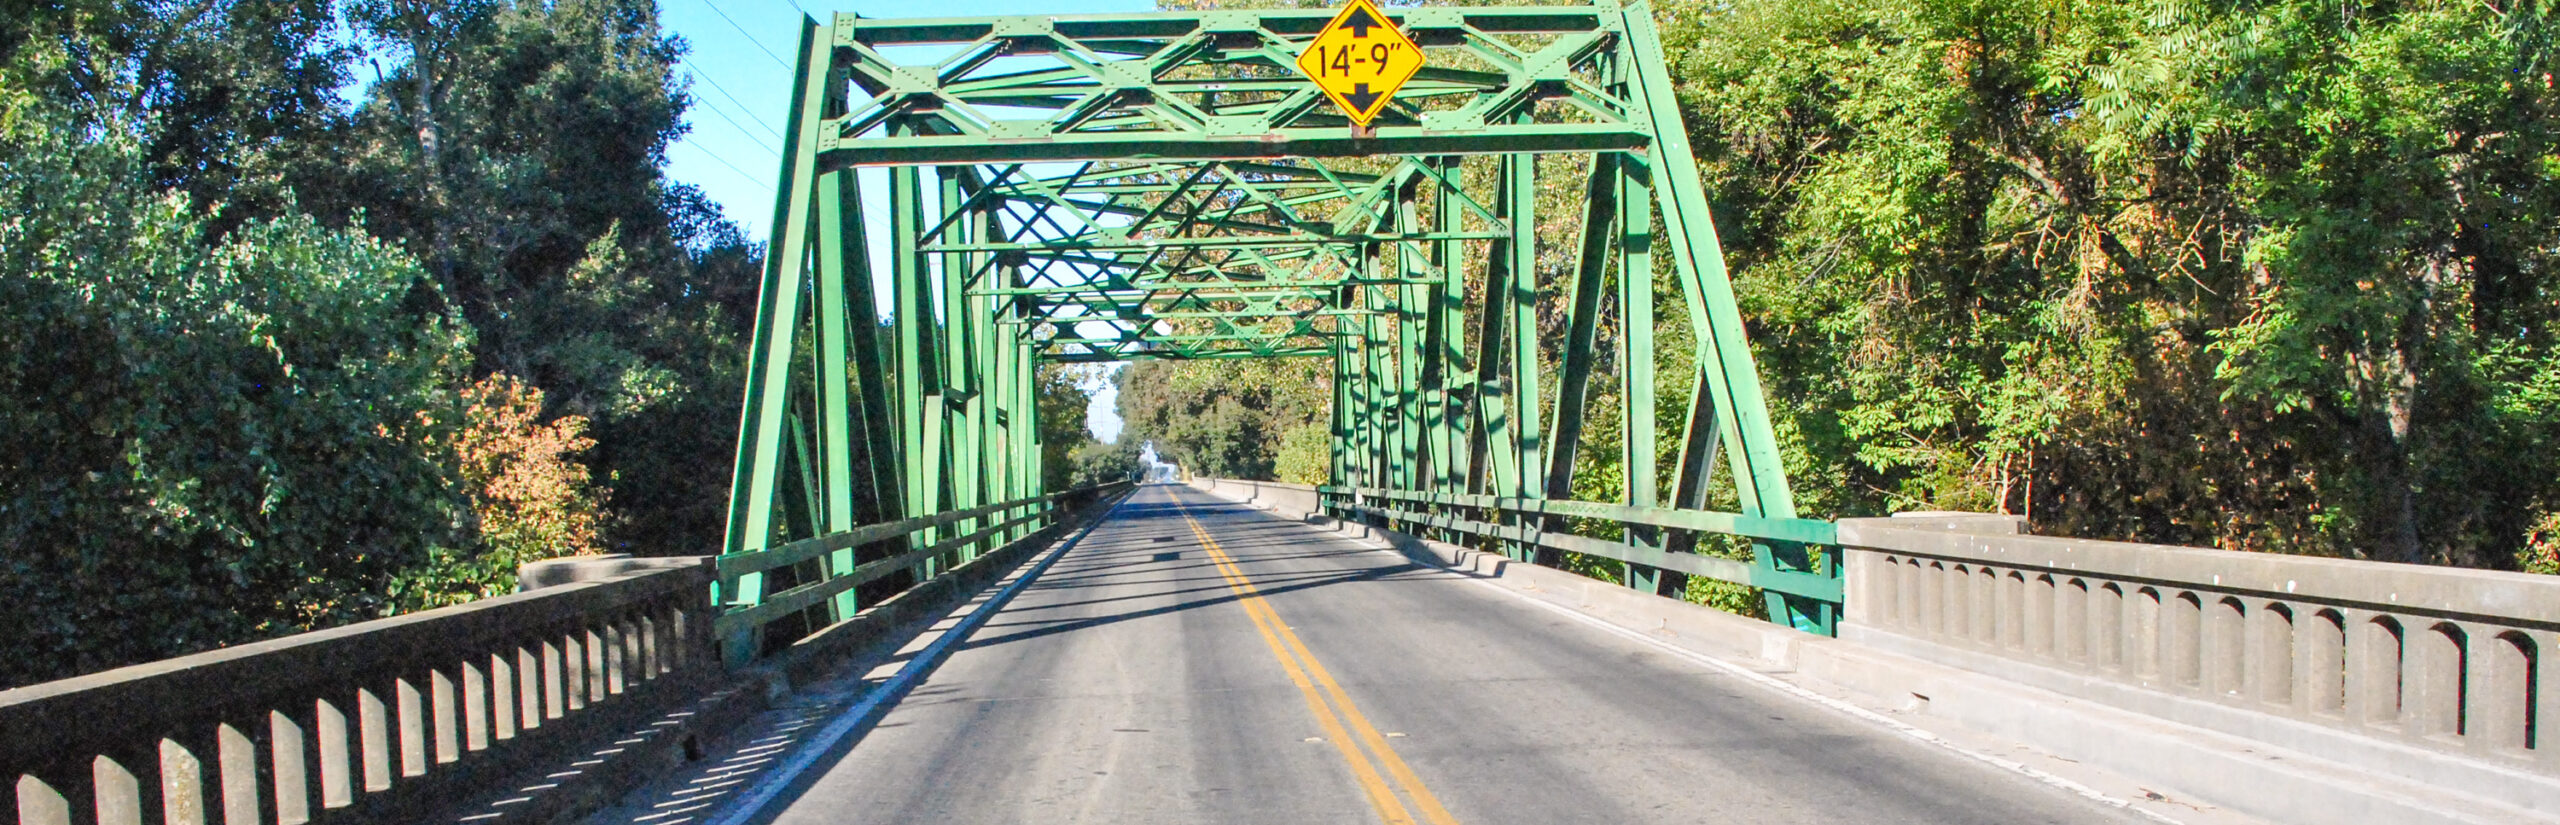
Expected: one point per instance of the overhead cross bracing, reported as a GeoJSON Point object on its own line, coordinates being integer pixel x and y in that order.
{"type": "Point", "coordinates": [996, 194]}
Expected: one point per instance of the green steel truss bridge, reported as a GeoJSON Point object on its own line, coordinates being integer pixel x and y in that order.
{"type": "Point", "coordinates": [904, 626]}
{"type": "Point", "coordinates": [1167, 186]}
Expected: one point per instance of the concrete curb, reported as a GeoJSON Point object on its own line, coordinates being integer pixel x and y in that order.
{"type": "Point", "coordinates": [2239, 774]}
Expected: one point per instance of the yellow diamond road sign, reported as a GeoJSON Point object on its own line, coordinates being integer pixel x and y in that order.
{"type": "Point", "coordinates": [1360, 60]}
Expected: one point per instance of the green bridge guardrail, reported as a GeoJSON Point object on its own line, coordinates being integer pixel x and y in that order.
{"type": "Point", "coordinates": [1796, 557]}
{"type": "Point", "coordinates": [743, 619]}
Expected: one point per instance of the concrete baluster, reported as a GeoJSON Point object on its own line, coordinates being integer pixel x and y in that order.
{"type": "Point", "coordinates": [410, 726]}
{"type": "Point", "coordinates": [2439, 653]}
{"type": "Point", "coordinates": [128, 786]}
{"type": "Point", "coordinates": [2106, 626]}
{"type": "Point", "coordinates": [685, 633]}
{"type": "Point", "coordinates": [1946, 602]}
{"type": "Point", "coordinates": [1872, 579]}
{"type": "Point", "coordinates": [375, 745]}
{"type": "Point", "coordinates": [2500, 693]}
{"type": "Point", "coordinates": [2011, 604]}
{"type": "Point", "coordinates": [634, 667]}
{"type": "Point", "coordinates": [1914, 594]}
{"type": "Point", "coordinates": [1982, 606]}
{"type": "Point", "coordinates": [2223, 647]}
{"type": "Point", "coordinates": [333, 753]}
{"type": "Point", "coordinates": [572, 678]}
{"type": "Point", "coordinates": [542, 671]}
{"type": "Point", "coordinates": [2320, 654]}
{"type": "Point", "coordinates": [2039, 616]}
{"type": "Point", "coordinates": [2142, 634]}
{"type": "Point", "coordinates": [506, 692]}
{"type": "Point", "coordinates": [476, 723]}
{"type": "Point", "coordinates": [2071, 622]}
{"type": "Point", "coordinates": [289, 751]}
{"type": "Point", "coordinates": [66, 794]}
{"type": "Point", "coordinates": [443, 716]}
{"type": "Point", "coordinates": [238, 774]}
{"type": "Point", "coordinates": [2373, 669]}
{"type": "Point", "coordinates": [608, 637]}
{"type": "Point", "coordinates": [646, 630]}
{"type": "Point", "coordinates": [592, 647]}
{"type": "Point", "coordinates": [2271, 655]}
{"type": "Point", "coordinates": [2182, 640]}
{"type": "Point", "coordinates": [182, 787]}
{"type": "Point", "coordinates": [41, 803]}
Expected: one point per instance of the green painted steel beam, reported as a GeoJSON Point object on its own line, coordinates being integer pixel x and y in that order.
{"type": "Point", "coordinates": [1258, 241]}
{"type": "Point", "coordinates": [1094, 189]}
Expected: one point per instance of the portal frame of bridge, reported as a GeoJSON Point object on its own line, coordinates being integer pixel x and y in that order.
{"type": "Point", "coordinates": [1106, 188]}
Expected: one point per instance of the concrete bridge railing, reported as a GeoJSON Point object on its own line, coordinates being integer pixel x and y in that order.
{"type": "Point", "coordinates": [2352, 658]}
{"type": "Point", "coordinates": [383, 721]}
{"type": "Point", "coordinates": [411, 718]}
{"type": "Point", "coordinates": [1277, 495]}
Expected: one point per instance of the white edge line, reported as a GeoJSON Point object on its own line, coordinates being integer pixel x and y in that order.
{"type": "Point", "coordinates": [750, 805]}
{"type": "Point", "coordinates": [1798, 691]}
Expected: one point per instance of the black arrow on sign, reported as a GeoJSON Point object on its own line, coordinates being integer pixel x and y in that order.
{"type": "Point", "coordinates": [1360, 22]}
{"type": "Point", "coordinates": [1360, 97]}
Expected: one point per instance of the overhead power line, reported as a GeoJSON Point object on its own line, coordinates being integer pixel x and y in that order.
{"type": "Point", "coordinates": [715, 157]}
{"type": "Point", "coordinates": [742, 132]}
{"type": "Point", "coordinates": [742, 30]}
{"type": "Point", "coordinates": [705, 77]}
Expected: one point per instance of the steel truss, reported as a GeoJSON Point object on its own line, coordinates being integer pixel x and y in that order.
{"type": "Point", "coordinates": [1117, 187]}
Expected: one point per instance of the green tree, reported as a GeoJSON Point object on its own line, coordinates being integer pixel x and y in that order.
{"type": "Point", "coordinates": [1100, 463]}
{"type": "Point", "coordinates": [1224, 418]}
{"type": "Point", "coordinates": [1061, 395]}
{"type": "Point", "coordinates": [2272, 276]}
{"type": "Point", "coordinates": [203, 443]}
{"type": "Point", "coordinates": [619, 294]}
{"type": "Point", "coordinates": [233, 100]}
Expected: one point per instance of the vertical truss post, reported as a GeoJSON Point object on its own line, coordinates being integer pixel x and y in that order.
{"type": "Point", "coordinates": [1377, 387]}
{"type": "Point", "coordinates": [837, 441]}
{"type": "Point", "coordinates": [1413, 303]}
{"type": "Point", "coordinates": [1635, 300]}
{"type": "Point", "coordinates": [1411, 457]}
{"type": "Point", "coordinates": [1487, 470]}
{"type": "Point", "coordinates": [1732, 381]}
{"type": "Point", "coordinates": [960, 405]}
{"type": "Point", "coordinates": [1035, 453]}
{"type": "Point", "coordinates": [1026, 407]}
{"type": "Point", "coordinates": [1600, 212]}
{"type": "Point", "coordinates": [1342, 413]}
{"type": "Point", "coordinates": [1445, 367]}
{"type": "Point", "coordinates": [919, 387]}
{"type": "Point", "coordinates": [752, 492]}
{"type": "Point", "coordinates": [1522, 389]}
{"type": "Point", "coordinates": [1507, 345]}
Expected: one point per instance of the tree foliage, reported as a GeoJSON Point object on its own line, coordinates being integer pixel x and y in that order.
{"type": "Point", "coordinates": [1098, 462]}
{"type": "Point", "coordinates": [1229, 418]}
{"type": "Point", "coordinates": [2275, 276]}
{"type": "Point", "coordinates": [289, 350]}
{"type": "Point", "coordinates": [531, 498]}
{"type": "Point", "coordinates": [204, 441]}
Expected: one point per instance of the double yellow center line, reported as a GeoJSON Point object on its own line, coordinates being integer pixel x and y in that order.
{"type": "Point", "coordinates": [1341, 720]}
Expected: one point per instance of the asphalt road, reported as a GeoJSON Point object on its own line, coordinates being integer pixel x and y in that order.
{"type": "Point", "coordinates": [1275, 675]}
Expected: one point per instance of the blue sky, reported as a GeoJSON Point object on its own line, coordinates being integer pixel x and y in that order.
{"type": "Point", "coordinates": [738, 55]}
